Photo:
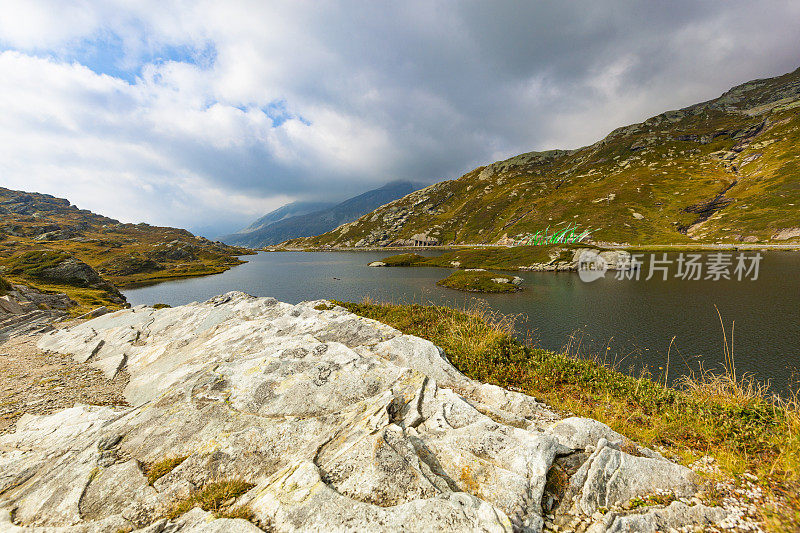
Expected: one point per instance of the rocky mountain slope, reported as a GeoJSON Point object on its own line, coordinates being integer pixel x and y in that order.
{"type": "Point", "coordinates": [724, 170]}
{"type": "Point", "coordinates": [322, 220]}
{"type": "Point", "coordinates": [48, 242]}
{"type": "Point", "coordinates": [249, 414]}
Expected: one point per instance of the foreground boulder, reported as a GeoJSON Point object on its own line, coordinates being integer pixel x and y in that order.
{"type": "Point", "coordinates": [329, 422]}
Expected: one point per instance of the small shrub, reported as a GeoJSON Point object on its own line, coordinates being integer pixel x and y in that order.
{"type": "Point", "coordinates": [557, 482]}
{"type": "Point", "coordinates": [161, 306]}
{"type": "Point", "coordinates": [242, 512]}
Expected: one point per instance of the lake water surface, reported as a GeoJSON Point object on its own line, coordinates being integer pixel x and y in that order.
{"type": "Point", "coordinates": [630, 322]}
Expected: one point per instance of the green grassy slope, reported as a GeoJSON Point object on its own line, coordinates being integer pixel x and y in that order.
{"type": "Point", "coordinates": [726, 170]}
{"type": "Point", "coordinates": [39, 232]}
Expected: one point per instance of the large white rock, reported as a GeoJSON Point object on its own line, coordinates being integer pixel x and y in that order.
{"type": "Point", "coordinates": [612, 477]}
{"type": "Point", "coordinates": [341, 424]}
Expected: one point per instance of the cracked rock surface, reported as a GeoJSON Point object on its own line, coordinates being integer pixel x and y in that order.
{"type": "Point", "coordinates": [338, 422]}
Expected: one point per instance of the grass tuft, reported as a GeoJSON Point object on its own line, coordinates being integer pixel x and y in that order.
{"type": "Point", "coordinates": [163, 467]}
{"type": "Point", "coordinates": [241, 512]}
{"type": "Point", "coordinates": [216, 497]}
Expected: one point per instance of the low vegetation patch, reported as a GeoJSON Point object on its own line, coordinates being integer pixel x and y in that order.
{"type": "Point", "coordinates": [128, 265]}
{"type": "Point", "coordinates": [731, 419]}
{"type": "Point", "coordinates": [4, 287]}
{"type": "Point", "coordinates": [215, 497]}
{"type": "Point", "coordinates": [401, 260]}
{"type": "Point", "coordinates": [86, 298]}
{"type": "Point", "coordinates": [161, 468]}
{"type": "Point", "coordinates": [33, 263]}
{"type": "Point", "coordinates": [480, 281]}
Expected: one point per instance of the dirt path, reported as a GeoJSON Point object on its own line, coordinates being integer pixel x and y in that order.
{"type": "Point", "coordinates": [41, 383]}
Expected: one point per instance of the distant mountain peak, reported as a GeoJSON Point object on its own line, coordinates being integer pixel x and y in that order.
{"type": "Point", "coordinates": [303, 219]}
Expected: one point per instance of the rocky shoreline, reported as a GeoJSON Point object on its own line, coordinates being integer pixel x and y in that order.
{"type": "Point", "coordinates": [330, 421]}
{"type": "Point", "coordinates": [577, 258]}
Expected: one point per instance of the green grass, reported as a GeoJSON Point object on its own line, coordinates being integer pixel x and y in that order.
{"type": "Point", "coordinates": [129, 265]}
{"type": "Point", "coordinates": [463, 280]}
{"type": "Point", "coordinates": [32, 264]}
{"type": "Point", "coordinates": [735, 421]}
{"type": "Point", "coordinates": [86, 298]}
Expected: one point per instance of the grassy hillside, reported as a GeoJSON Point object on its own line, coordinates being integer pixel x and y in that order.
{"type": "Point", "coordinates": [47, 242]}
{"type": "Point", "coordinates": [727, 170]}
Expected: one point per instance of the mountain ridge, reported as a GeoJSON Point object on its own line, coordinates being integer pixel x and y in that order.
{"type": "Point", "coordinates": [322, 220]}
{"type": "Point", "coordinates": [724, 170]}
{"type": "Point", "coordinates": [282, 213]}
{"type": "Point", "coordinates": [50, 243]}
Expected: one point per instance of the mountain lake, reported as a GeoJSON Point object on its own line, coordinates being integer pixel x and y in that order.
{"type": "Point", "coordinates": [633, 324]}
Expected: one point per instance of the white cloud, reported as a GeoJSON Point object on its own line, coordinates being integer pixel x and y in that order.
{"type": "Point", "coordinates": [181, 131]}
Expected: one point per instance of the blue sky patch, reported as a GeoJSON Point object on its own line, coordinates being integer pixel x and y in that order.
{"type": "Point", "coordinates": [106, 53]}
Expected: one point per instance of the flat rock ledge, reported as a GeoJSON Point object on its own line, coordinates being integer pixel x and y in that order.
{"type": "Point", "coordinates": [340, 423]}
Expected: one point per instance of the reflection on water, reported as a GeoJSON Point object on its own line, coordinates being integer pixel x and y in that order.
{"type": "Point", "coordinates": [630, 323]}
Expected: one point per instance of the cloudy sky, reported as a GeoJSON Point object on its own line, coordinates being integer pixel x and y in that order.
{"type": "Point", "coordinates": [206, 115]}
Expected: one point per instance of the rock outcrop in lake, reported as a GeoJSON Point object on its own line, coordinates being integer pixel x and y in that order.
{"type": "Point", "coordinates": [330, 422]}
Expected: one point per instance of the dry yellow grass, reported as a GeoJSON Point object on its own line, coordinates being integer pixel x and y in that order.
{"type": "Point", "coordinates": [214, 497]}
{"type": "Point", "coordinates": [161, 468]}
